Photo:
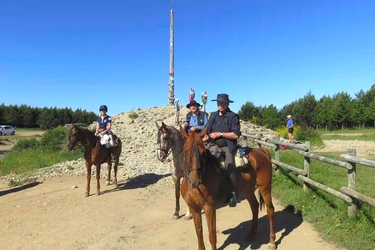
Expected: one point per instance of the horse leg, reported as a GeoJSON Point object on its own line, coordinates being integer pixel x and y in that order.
{"type": "Point", "coordinates": [254, 205]}
{"type": "Point", "coordinates": [88, 178]}
{"type": "Point", "coordinates": [109, 173]}
{"type": "Point", "coordinates": [98, 179]}
{"type": "Point", "coordinates": [210, 213]}
{"type": "Point", "coordinates": [267, 198]}
{"type": "Point", "coordinates": [188, 215]}
{"type": "Point", "coordinates": [197, 217]}
{"type": "Point", "coordinates": [176, 182]}
{"type": "Point", "coordinates": [115, 172]}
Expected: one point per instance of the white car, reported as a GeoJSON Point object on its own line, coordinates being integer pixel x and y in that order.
{"type": "Point", "coordinates": [7, 130]}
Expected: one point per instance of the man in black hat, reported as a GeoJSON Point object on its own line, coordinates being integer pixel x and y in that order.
{"type": "Point", "coordinates": [224, 130]}
{"type": "Point", "coordinates": [195, 120]}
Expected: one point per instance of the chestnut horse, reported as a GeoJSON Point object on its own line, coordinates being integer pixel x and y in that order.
{"type": "Point", "coordinates": [170, 140]}
{"type": "Point", "coordinates": [95, 154]}
{"type": "Point", "coordinates": [201, 186]}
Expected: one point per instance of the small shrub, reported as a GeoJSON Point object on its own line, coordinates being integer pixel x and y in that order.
{"type": "Point", "coordinates": [133, 115]}
{"type": "Point", "coordinates": [54, 139]}
{"type": "Point", "coordinates": [24, 144]}
{"type": "Point", "coordinates": [308, 134]}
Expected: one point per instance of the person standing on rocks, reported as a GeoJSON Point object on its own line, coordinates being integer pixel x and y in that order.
{"type": "Point", "coordinates": [176, 112]}
{"type": "Point", "coordinates": [191, 95]}
{"type": "Point", "coordinates": [204, 101]}
{"type": "Point", "coordinates": [290, 127]}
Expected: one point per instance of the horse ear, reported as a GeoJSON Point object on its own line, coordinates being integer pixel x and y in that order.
{"type": "Point", "coordinates": [163, 126]}
{"type": "Point", "coordinates": [157, 125]}
{"type": "Point", "coordinates": [183, 132]}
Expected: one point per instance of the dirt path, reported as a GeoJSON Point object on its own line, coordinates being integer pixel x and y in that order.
{"type": "Point", "coordinates": [54, 215]}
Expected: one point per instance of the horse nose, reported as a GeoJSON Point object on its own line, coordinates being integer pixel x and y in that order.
{"type": "Point", "coordinates": [195, 184]}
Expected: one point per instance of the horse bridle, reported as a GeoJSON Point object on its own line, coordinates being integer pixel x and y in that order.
{"type": "Point", "coordinates": [74, 139]}
{"type": "Point", "coordinates": [198, 170]}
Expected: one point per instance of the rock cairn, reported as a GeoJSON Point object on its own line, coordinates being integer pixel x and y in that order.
{"type": "Point", "coordinates": [138, 157]}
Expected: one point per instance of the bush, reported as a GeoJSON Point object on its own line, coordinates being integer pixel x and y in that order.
{"type": "Point", "coordinates": [133, 115]}
{"type": "Point", "coordinates": [55, 139]}
{"type": "Point", "coordinates": [24, 144]}
{"type": "Point", "coordinates": [308, 134]}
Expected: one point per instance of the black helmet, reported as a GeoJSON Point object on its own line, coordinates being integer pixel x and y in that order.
{"type": "Point", "coordinates": [103, 107]}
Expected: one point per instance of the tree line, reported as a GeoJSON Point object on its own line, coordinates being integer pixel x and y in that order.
{"type": "Point", "coordinates": [336, 112]}
{"type": "Point", "coordinates": [24, 116]}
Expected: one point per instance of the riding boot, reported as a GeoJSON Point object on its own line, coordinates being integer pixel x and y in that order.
{"type": "Point", "coordinates": [112, 141]}
{"type": "Point", "coordinates": [231, 199]}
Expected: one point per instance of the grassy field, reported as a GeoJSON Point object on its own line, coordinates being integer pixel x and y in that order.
{"type": "Point", "coordinates": [328, 214]}
{"type": "Point", "coordinates": [363, 134]}
{"type": "Point", "coordinates": [31, 159]}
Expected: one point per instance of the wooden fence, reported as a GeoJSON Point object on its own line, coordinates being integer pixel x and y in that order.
{"type": "Point", "coordinates": [348, 161]}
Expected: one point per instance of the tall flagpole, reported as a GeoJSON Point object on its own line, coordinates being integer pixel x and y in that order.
{"type": "Point", "coordinates": [171, 57]}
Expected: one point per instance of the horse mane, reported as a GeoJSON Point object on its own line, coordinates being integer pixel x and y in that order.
{"type": "Point", "coordinates": [176, 136]}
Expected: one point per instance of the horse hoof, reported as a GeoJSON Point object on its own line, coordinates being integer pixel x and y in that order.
{"type": "Point", "coordinates": [271, 246]}
{"type": "Point", "coordinates": [108, 183]}
{"type": "Point", "coordinates": [175, 217]}
{"type": "Point", "coordinates": [86, 195]}
{"type": "Point", "coordinates": [188, 217]}
{"type": "Point", "coordinates": [97, 193]}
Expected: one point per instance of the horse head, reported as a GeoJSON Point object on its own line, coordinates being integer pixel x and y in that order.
{"type": "Point", "coordinates": [163, 140]}
{"type": "Point", "coordinates": [195, 155]}
{"type": "Point", "coordinates": [73, 137]}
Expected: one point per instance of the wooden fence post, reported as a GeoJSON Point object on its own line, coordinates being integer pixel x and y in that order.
{"type": "Point", "coordinates": [352, 173]}
{"type": "Point", "coordinates": [306, 164]}
{"type": "Point", "coordinates": [277, 156]}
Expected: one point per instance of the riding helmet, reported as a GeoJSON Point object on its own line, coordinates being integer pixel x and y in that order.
{"type": "Point", "coordinates": [103, 107]}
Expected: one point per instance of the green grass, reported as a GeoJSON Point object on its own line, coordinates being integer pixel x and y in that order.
{"type": "Point", "coordinates": [33, 159]}
{"type": "Point", "coordinates": [328, 214]}
{"type": "Point", "coordinates": [364, 134]}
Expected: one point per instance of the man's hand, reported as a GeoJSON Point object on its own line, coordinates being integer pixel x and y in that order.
{"type": "Point", "coordinates": [102, 133]}
{"type": "Point", "coordinates": [215, 135]}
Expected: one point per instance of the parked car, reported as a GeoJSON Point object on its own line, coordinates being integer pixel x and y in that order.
{"type": "Point", "coordinates": [83, 125]}
{"type": "Point", "coordinates": [7, 130]}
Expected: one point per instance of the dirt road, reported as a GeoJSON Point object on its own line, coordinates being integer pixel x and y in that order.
{"type": "Point", "coordinates": [53, 215]}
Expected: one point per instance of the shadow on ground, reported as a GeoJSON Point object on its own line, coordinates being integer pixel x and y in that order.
{"type": "Point", "coordinates": [140, 181]}
{"type": "Point", "coordinates": [286, 220]}
{"type": "Point", "coordinates": [19, 188]}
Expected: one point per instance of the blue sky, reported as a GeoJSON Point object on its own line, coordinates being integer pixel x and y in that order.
{"type": "Point", "coordinates": [81, 54]}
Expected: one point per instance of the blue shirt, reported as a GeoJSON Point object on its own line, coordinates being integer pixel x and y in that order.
{"type": "Point", "coordinates": [103, 122]}
{"type": "Point", "coordinates": [290, 123]}
{"type": "Point", "coordinates": [193, 122]}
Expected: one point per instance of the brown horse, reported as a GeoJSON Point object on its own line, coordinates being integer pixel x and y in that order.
{"type": "Point", "coordinates": [95, 154]}
{"type": "Point", "coordinates": [202, 181]}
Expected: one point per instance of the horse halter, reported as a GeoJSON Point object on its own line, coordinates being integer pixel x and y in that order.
{"type": "Point", "coordinates": [190, 169]}
{"type": "Point", "coordinates": [163, 145]}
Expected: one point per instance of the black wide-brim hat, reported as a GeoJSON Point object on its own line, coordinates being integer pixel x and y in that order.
{"type": "Point", "coordinates": [193, 103]}
{"type": "Point", "coordinates": [222, 98]}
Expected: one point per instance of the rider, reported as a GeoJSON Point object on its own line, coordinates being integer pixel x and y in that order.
{"type": "Point", "coordinates": [195, 120]}
{"type": "Point", "coordinates": [224, 130]}
{"type": "Point", "coordinates": [103, 125]}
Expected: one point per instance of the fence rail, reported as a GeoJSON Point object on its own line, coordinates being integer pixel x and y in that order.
{"type": "Point", "coordinates": [348, 161]}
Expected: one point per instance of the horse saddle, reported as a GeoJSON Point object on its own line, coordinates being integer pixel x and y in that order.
{"type": "Point", "coordinates": [240, 158]}
{"type": "Point", "coordinates": [108, 140]}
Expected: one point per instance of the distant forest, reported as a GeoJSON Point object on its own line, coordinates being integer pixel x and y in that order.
{"type": "Point", "coordinates": [330, 113]}
{"type": "Point", "coordinates": [46, 118]}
